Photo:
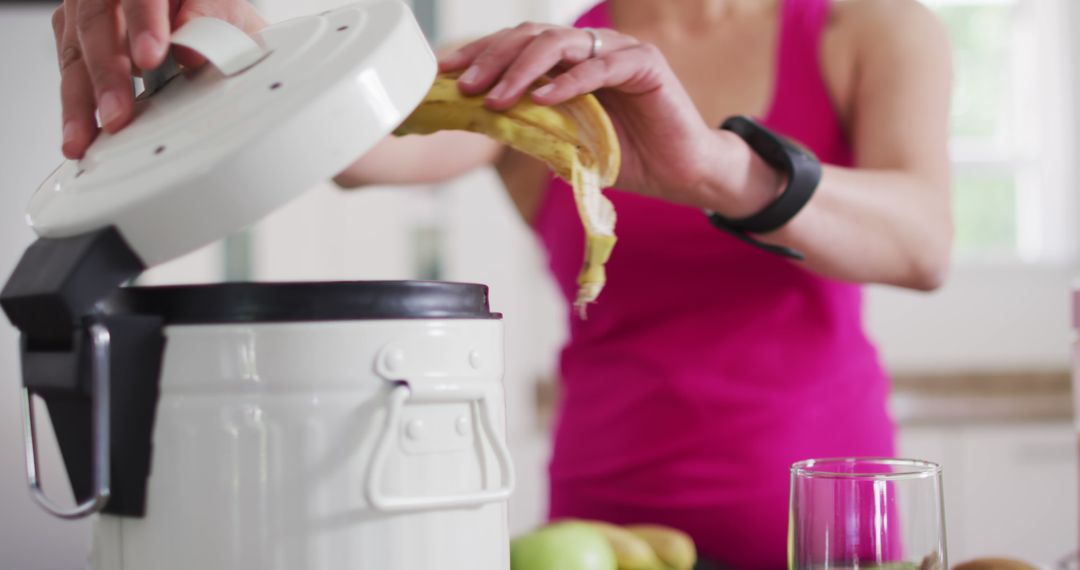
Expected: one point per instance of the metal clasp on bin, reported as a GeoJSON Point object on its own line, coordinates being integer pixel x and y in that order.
{"type": "Point", "coordinates": [100, 339]}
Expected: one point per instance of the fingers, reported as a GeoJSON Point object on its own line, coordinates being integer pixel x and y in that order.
{"type": "Point", "coordinates": [634, 70]}
{"type": "Point", "coordinates": [507, 63]}
{"type": "Point", "coordinates": [542, 53]}
{"type": "Point", "coordinates": [148, 31]}
{"type": "Point", "coordinates": [553, 47]}
{"type": "Point", "coordinates": [106, 60]}
{"type": "Point", "coordinates": [463, 56]}
{"type": "Point", "coordinates": [486, 65]}
{"type": "Point", "coordinates": [76, 91]}
{"type": "Point", "coordinates": [58, 20]}
{"type": "Point", "coordinates": [98, 43]}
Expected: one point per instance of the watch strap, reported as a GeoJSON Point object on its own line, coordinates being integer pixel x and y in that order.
{"type": "Point", "coordinates": [781, 250]}
{"type": "Point", "coordinates": [803, 172]}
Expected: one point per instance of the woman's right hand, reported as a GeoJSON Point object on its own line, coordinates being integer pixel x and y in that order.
{"type": "Point", "coordinates": [100, 42]}
{"type": "Point", "coordinates": [668, 151]}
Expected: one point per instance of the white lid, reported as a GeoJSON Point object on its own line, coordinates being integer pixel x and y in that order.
{"type": "Point", "coordinates": [210, 154]}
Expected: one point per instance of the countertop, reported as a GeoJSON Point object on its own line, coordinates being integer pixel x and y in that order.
{"type": "Point", "coordinates": [944, 398]}
{"type": "Point", "coordinates": [982, 397]}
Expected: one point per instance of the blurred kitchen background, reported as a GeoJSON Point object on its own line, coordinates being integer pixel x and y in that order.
{"type": "Point", "coordinates": [981, 367]}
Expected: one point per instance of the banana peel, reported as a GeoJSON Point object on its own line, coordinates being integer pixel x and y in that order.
{"type": "Point", "coordinates": [576, 139]}
{"type": "Point", "coordinates": [648, 546]}
{"type": "Point", "coordinates": [675, 548]}
{"type": "Point", "coordinates": [631, 551]}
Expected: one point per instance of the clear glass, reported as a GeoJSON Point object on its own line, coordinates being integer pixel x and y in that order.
{"type": "Point", "coordinates": [866, 513]}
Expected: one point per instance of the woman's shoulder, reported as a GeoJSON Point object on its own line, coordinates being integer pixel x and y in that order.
{"type": "Point", "coordinates": [877, 32]}
{"type": "Point", "coordinates": [862, 33]}
{"type": "Point", "coordinates": [871, 18]}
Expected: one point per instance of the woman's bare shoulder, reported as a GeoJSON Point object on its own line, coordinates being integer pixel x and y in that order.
{"type": "Point", "coordinates": [887, 33]}
{"type": "Point", "coordinates": [863, 34]}
{"type": "Point", "coordinates": [871, 18]}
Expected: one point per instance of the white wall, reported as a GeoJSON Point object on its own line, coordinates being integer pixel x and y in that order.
{"type": "Point", "coordinates": [29, 150]}
{"type": "Point", "coordinates": [986, 318]}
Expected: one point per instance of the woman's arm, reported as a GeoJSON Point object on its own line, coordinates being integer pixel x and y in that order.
{"type": "Point", "coordinates": [421, 159]}
{"type": "Point", "coordinates": [885, 221]}
{"type": "Point", "coordinates": [424, 159]}
{"type": "Point", "coordinates": [888, 220]}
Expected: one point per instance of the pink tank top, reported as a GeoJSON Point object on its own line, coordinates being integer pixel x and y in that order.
{"type": "Point", "coordinates": [708, 367]}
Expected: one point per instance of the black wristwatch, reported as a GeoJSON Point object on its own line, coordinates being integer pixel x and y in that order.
{"type": "Point", "coordinates": [803, 172]}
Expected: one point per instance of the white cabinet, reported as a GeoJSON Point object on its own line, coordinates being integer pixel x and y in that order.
{"type": "Point", "coordinates": [1010, 489]}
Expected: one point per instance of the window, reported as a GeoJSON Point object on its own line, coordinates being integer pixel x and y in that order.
{"type": "Point", "coordinates": [1011, 128]}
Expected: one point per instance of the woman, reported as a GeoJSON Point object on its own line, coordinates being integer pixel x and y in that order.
{"type": "Point", "coordinates": [709, 365]}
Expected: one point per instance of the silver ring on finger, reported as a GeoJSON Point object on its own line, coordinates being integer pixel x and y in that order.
{"type": "Point", "coordinates": [597, 42]}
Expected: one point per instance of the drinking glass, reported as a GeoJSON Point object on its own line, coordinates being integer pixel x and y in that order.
{"type": "Point", "coordinates": [866, 513]}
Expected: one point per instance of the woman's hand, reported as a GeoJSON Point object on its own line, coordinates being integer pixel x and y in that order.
{"type": "Point", "coordinates": [668, 150]}
{"type": "Point", "coordinates": [100, 42]}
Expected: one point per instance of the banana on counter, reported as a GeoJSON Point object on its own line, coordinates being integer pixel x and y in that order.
{"type": "Point", "coordinates": [575, 139]}
{"type": "Point", "coordinates": [577, 544]}
{"type": "Point", "coordinates": [631, 551]}
{"type": "Point", "coordinates": [675, 548]}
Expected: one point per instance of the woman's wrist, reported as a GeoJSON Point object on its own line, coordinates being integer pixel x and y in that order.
{"type": "Point", "coordinates": [733, 180]}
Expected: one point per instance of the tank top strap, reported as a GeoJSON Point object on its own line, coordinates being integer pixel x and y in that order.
{"type": "Point", "coordinates": [802, 107]}
{"type": "Point", "coordinates": [596, 17]}
{"type": "Point", "coordinates": [801, 27]}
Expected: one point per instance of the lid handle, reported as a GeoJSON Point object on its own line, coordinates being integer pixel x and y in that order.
{"type": "Point", "coordinates": [224, 45]}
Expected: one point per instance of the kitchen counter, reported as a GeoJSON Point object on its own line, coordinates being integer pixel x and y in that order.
{"type": "Point", "coordinates": [995, 397]}
{"type": "Point", "coordinates": [943, 398]}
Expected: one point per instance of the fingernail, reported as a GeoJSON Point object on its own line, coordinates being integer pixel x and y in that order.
{"type": "Point", "coordinates": [148, 46]}
{"type": "Point", "coordinates": [544, 90]}
{"type": "Point", "coordinates": [470, 75]}
{"type": "Point", "coordinates": [71, 130]}
{"type": "Point", "coordinates": [497, 92]}
{"type": "Point", "coordinates": [109, 107]}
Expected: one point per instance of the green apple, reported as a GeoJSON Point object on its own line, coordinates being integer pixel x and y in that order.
{"type": "Point", "coordinates": [562, 546]}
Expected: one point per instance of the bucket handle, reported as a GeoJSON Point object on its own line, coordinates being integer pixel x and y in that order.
{"type": "Point", "coordinates": [399, 395]}
{"type": "Point", "coordinates": [100, 340]}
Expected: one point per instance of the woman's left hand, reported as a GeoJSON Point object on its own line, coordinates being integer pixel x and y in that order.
{"type": "Point", "coordinates": [668, 150]}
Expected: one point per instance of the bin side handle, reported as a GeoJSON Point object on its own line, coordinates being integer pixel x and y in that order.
{"type": "Point", "coordinates": [397, 398]}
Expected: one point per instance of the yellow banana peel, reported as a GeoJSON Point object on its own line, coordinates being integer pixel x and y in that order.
{"type": "Point", "coordinates": [631, 551]}
{"type": "Point", "coordinates": [575, 139]}
{"type": "Point", "coordinates": [674, 547]}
